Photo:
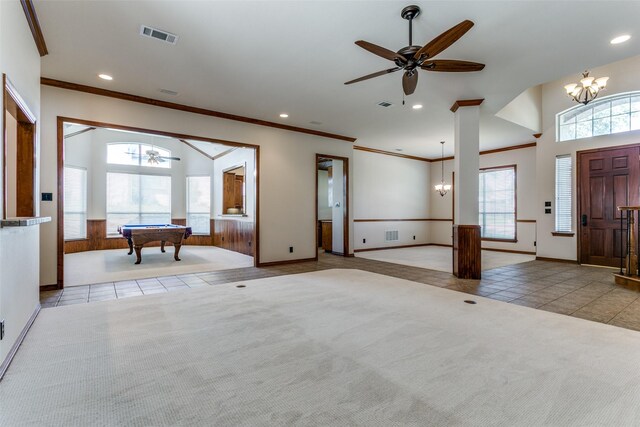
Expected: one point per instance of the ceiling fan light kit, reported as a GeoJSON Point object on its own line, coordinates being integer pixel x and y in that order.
{"type": "Point", "coordinates": [412, 58]}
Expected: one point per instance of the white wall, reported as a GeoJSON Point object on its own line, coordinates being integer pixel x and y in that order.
{"type": "Point", "coordinates": [389, 187]}
{"type": "Point", "coordinates": [12, 162]}
{"type": "Point", "coordinates": [623, 78]}
{"type": "Point", "coordinates": [19, 267]}
{"type": "Point", "coordinates": [89, 150]}
{"type": "Point", "coordinates": [337, 210]}
{"type": "Point", "coordinates": [239, 157]}
{"type": "Point", "coordinates": [525, 161]}
{"type": "Point", "coordinates": [324, 209]}
{"type": "Point", "coordinates": [287, 167]}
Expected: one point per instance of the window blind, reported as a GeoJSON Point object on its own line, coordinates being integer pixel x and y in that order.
{"type": "Point", "coordinates": [137, 199]}
{"type": "Point", "coordinates": [563, 193]}
{"type": "Point", "coordinates": [497, 203]}
{"type": "Point", "coordinates": [75, 203]}
{"type": "Point", "coordinates": [199, 204]}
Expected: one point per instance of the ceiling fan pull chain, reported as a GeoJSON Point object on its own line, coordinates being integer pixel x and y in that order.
{"type": "Point", "coordinates": [402, 97]}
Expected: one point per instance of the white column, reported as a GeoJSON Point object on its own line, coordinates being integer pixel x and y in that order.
{"type": "Point", "coordinates": [467, 163]}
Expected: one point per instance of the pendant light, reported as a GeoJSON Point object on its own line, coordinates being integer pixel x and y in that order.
{"type": "Point", "coordinates": [442, 188]}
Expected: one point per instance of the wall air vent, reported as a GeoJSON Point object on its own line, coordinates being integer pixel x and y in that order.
{"type": "Point", "coordinates": [385, 104]}
{"type": "Point", "coordinates": [391, 236]}
{"type": "Point", "coordinates": [158, 34]}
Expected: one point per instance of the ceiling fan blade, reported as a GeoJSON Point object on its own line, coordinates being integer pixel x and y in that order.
{"type": "Point", "coordinates": [168, 158]}
{"type": "Point", "coordinates": [451, 65]}
{"type": "Point", "coordinates": [370, 76]}
{"type": "Point", "coordinates": [381, 51]}
{"type": "Point", "coordinates": [409, 82]}
{"type": "Point", "coordinates": [444, 40]}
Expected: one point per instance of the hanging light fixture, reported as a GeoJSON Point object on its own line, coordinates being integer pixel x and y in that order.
{"type": "Point", "coordinates": [442, 188]}
{"type": "Point", "coordinates": [588, 88]}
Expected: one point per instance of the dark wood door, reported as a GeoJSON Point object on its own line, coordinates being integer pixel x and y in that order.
{"type": "Point", "coordinates": [608, 179]}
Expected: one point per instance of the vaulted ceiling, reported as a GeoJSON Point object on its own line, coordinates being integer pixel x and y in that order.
{"type": "Point", "coordinates": [262, 58]}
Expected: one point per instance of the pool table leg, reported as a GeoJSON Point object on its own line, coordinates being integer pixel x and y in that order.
{"type": "Point", "coordinates": [130, 245]}
{"type": "Point", "coordinates": [177, 247]}
{"type": "Point", "coordinates": [162, 246]}
{"type": "Point", "coordinates": [138, 249]}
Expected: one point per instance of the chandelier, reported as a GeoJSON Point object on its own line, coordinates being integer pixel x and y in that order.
{"type": "Point", "coordinates": [588, 91]}
{"type": "Point", "coordinates": [442, 188]}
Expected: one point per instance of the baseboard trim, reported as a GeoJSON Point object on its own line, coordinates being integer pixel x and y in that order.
{"type": "Point", "coordinates": [14, 349]}
{"type": "Point", "coordinates": [392, 247]}
{"type": "Point", "coordinates": [292, 261]}
{"type": "Point", "coordinates": [567, 261]}
{"type": "Point", "coordinates": [53, 287]}
{"type": "Point", "coordinates": [509, 251]}
{"type": "Point", "coordinates": [440, 244]}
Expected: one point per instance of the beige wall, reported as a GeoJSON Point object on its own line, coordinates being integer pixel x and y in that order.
{"type": "Point", "coordinates": [287, 167]}
{"type": "Point", "coordinates": [623, 78]}
{"type": "Point", "coordinates": [525, 160]}
{"type": "Point", "coordinates": [389, 187]}
{"type": "Point", "coordinates": [20, 61]}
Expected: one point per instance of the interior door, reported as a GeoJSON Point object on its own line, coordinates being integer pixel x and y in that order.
{"type": "Point", "coordinates": [608, 178]}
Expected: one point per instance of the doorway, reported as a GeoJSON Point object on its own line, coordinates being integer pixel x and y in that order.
{"type": "Point", "coordinates": [332, 206]}
{"type": "Point", "coordinates": [607, 178]}
{"type": "Point", "coordinates": [120, 185]}
{"type": "Point", "coordinates": [19, 161]}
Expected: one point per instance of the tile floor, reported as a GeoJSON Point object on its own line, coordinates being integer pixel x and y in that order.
{"type": "Point", "coordinates": [570, 289]}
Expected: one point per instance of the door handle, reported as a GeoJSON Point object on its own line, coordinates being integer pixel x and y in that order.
{"type": "Point", "coordinates": [584, 220]}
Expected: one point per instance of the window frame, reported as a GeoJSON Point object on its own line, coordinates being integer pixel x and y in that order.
{"type": "Point", "coordinates": [555, 231]}
{"type": "Point", "coordinates": [579, 109]}
{"type": "Point", "coordinates": [116, 235]}
{"type": "Point", "coordinates": [140, 164]}
{"type": "Point", "coordinates": [86, 202]}
{"type": "Point", "coordinates": [515, 203]}
{"type": "Point", "coordinates": [186, 193]}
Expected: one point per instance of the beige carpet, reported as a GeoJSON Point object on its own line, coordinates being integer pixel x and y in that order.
{"type": "Point", "coordinates": [337, 347]}
{"type": "Point", "coordinates": [439, 258]}
{"type": "Point", "coordinates": [84, 268]}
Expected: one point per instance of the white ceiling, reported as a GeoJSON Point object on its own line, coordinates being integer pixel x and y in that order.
{"type": "Point", "coordinates": [261, 58]}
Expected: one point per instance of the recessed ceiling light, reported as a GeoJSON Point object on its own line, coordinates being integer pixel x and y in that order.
{"type": "Point", "coordinates": [620, 39]}
{"type": "Point", "coordinates": [105, 76]}
{"type": "Point", "coordinates": [284, 115]}
{"type": "Point", "coordinates": [417, 106]}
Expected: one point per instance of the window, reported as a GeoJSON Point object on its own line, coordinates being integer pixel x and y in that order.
{"type": "Point", "coordinates": [563, 193]}
{"type": "Point", "coordinates": [199, 204]}
{"type": "Point", "coordinates": [604, 116]}
{"type": "Point", "coordinates": [136, 154]}
{"type": "Point", "coordinates": [498, 203]}
{"type": "Point", "coordinates": [137, 199]}
{"type": "Point", "coordinates": [75, 203]}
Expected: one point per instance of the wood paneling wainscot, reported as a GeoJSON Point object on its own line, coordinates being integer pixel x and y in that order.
{"type": "Point", "coordinates": [466, 251]}
{"type": "Point", "coordinates": [234, 235]}
{"type": "Point", "coordinates": [97, 238]}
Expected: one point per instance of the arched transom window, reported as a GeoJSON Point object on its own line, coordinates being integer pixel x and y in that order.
{"type": "Point", "coordinates": [604, 116]}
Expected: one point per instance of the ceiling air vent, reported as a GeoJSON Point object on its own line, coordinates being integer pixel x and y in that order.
{"type": "Point", "coordinates": [385, 104]}
{"type": "Point", "coordinates": [168, 92]}
{"type": "Point", "coordinates": [158, 34]}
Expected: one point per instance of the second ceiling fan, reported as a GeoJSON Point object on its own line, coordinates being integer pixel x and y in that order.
{"type": "Point", "coordinates": [412, 58]}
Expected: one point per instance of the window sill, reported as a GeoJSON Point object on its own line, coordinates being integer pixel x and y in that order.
{"type": "Point", "coordinates": [489, 239]}
{"type": "Point", "coordinates": [563, 233]}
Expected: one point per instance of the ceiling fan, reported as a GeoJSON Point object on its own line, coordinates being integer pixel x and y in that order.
{"type": "Point", "coordinates": [153, 157]}
{"type": "Point", "coordinates": [411, 58]}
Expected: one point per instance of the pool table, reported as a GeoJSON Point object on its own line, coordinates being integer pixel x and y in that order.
{"type": "Point", "coordinates": [138, 235]}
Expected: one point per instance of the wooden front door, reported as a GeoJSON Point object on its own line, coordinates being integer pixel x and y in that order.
{"type": "Point", "coordinates": [607, 179]}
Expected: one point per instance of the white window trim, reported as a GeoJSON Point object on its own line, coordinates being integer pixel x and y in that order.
{"type": "Point", "coordinates": [579, 108]}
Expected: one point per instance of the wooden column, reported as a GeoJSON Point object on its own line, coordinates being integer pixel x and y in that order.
{"type": "Point", "coordinates": [466, 251]}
